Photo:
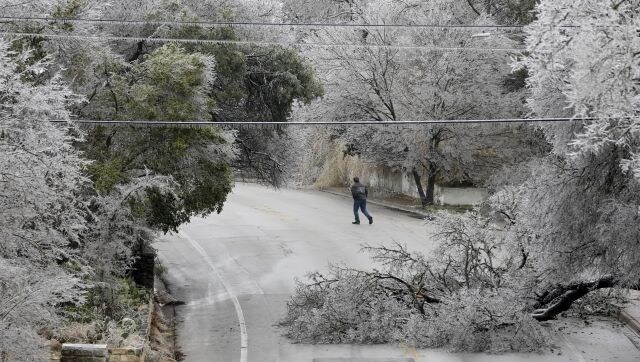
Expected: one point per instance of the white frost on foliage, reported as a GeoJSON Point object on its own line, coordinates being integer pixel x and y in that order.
{"type": "Point", "coordinates": [589, 70]}
{"type": "Point", "coordinates": [39, 170]}
{"type": "Point", "coordinates": [40, 173]}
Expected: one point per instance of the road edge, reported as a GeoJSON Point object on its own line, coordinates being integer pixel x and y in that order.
{"type": "Point", "coordinates": [244, 336]}
{"type": "Point", "coordinates": [420, 214]}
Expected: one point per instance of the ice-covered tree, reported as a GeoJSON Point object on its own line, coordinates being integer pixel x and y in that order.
{"type": "Point", "coordinates": [41, 217]}
{"type": "Point", "coordinates": [510, 12]}
{"type": "Point", "coordinates": [386, 84]}
{"type": "Point", "coordinates": [579, 207]}
{"type": "Point", "coordinates": [171, 85]}
{"type": "Point", "coordinates": [584, 61]}
{"type": "Point", "coordinates": [329, 11]}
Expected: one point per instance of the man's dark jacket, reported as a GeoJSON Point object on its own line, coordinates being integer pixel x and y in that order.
{"type": "Point", "coordinates": [359, 191]}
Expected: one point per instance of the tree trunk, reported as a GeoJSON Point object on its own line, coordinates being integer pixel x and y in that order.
{"type": "Point", "coordinates": [431, 185]}
{"type": "Point", "coordinates": [417, 179]}
{"type": "Point", "coordinates": [567, 295]}
{"type": "Point", "coordinates": [138, 52]}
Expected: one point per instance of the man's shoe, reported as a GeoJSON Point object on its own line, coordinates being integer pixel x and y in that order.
{"type": "Point", "coordinates": [356, 222]}
{"type": "Point", "coordinates": [370, 220]}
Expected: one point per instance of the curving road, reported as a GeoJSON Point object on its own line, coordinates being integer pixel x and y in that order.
{"type": "Point", "coordinates": [235, 272]}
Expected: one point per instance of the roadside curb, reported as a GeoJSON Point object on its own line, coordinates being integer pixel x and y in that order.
{"type": "Point", "coordinates": [420, 214]}
{"type": "Point", "coordinates": [630, 320]}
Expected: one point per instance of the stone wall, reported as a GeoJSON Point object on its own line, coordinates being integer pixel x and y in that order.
{"type": "Point", "coordinates": [125, 354]}
{"type": "Point", "coordinates": [339, 170]}
{"type": "Point", "coordinates": [386, 180]}
{"type": "Point", "coordinates": [72, 352]}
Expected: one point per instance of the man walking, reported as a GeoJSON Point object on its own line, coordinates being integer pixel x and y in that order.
{"type": "Point", "coordinates": [360, 193]}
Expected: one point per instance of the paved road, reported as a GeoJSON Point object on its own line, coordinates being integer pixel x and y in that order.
{"type": "Point", "coordinates": [236, 270]}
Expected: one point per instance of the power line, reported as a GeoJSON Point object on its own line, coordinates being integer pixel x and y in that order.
{"type": "Point", "coordinates": [333, 123]}
{"type": "Point", "coordinates": [259, 23]}
{"type": "Point", "coordinates": [251, 42]}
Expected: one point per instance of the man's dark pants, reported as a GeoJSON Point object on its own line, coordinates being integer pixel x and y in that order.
{"type": "Point", "coordinates": [361, 205]}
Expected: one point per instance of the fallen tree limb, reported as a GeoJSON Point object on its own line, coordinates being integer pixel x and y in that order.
{"type": "Point", "coordinates": [562, 298]}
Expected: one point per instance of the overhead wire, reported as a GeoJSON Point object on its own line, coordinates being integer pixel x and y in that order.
{"type": "Point", "coordinates": [271, 43]}
{"type": "Point", "coordinates": [251, 42]}
{"type": "Point", "coordinates": [335, 123]}
{"type": "Point", "coordinates": [260, 23]}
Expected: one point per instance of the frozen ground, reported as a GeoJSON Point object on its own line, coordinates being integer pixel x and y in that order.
{"type": "Point", "coordinates": [236, 270]}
